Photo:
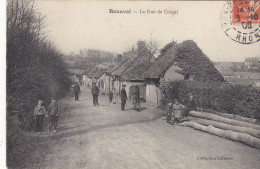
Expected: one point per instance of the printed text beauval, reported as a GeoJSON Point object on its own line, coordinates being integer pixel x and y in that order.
{"type": "Point", "coordinates": [141, 11]}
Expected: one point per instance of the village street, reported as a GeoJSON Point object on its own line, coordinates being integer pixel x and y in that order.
{"type": "Point", "coordinates": [105, 137]}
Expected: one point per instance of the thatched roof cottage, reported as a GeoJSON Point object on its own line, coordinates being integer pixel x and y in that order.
{"type": "Point", "coordinates": [130, 71]}
{"type": "Point", "coordinates": [179, 61]}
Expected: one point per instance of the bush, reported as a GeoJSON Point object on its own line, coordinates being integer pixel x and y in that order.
{"type": "Point", "coordinates": [35, 70]}
{"type": "Point", "coordinates": [222, 97]}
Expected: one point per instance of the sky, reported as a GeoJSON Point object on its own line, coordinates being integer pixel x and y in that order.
{"type": "Point", "coordinates": [74, 25]}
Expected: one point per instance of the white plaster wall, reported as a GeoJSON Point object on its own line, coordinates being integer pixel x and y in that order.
{"type": "Point", "coordinates": [128, 84]}
{"type": "Point", "coordinates": [152, 94]}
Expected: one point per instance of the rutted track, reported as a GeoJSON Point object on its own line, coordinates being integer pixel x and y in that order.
{"type": "Point", "coordinates": [105, 137]}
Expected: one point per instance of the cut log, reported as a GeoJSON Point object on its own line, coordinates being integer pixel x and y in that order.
{"type": "Point", "coordinates": [237, 117]}
{"type": "Point", "coordinates": [231, 135]}
{"type": "Point", "coordinates": [252, 132]}
{"type": "Point", "coordinates": [224, 119]}
{"type": "Point", "coordinates": [231, 116]}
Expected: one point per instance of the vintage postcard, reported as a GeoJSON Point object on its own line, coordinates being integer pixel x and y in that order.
{"type": "Point", "coordinates": [132, 84]}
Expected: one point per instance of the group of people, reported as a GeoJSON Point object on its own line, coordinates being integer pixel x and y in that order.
{"type": "Point", "coordinates": [40, 113]}
{"type": "Point", "coordinates": [112, 95]}
{"type": "Point", "coordinates": [177, 112]}
{"type": "Point", "coordinates": [123, 95]}
{"type": "Point", "coordinates": [94, 92]}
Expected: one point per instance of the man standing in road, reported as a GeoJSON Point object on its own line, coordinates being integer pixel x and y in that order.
{"type": "Point", "coordinates": [135, 96]}
{"type": "Point", "coordinates": [123, 98]}
{"type": "Point", "coordinates": [53, 112]}
{"type": "Point", "coordinates": [76, 91]}
{"type": "Point", "coordinates": [190, 105]}
{"type": "Point", "coordinates": [95, 92]}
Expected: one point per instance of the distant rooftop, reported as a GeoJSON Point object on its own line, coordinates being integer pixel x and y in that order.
{"type": "Point", "coordinates": [252, 59]}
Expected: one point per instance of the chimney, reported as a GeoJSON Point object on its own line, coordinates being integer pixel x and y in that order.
{"type": "Point", "coordinates": [119, 57]}
{"type": "Point", "coordinates": [140, 46]}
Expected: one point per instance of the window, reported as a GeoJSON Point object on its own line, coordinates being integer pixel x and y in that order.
{"type": "Point", "coordinates": [187, 76]}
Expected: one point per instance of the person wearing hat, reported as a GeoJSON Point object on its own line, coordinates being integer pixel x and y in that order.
{"type": "Point", "coordinates": [39, 114]}
{"type": "Point", "coordinates": [95, 92]}
{"type": "Point", "coordinates": [123, 98]}
{"type": "Point", "coordinates": [136, 98]}
{"type": "Point", "coordinates": [76, 91]}
{"type": "Point", "coordinates": [114, 96]}
{"type": "Point", "coordinates": [53, 112]}
{"type": "Point", "coordinates": [190, 105]}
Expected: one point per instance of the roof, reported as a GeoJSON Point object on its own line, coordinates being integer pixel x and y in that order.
{"type": "Point", "coordinates": [136, 72]}
{"type": "Point", "coordinates": [103, 65]}
{"type": "Point", "coordinates": [74, 75]}
{"type": "Point", "coordinates": [226, 72]}
{"type": "Point", "coordinates": [87, 71]}
{"type": "Point", "coordinates": [245, 82]}
{"type": "Point", "coordinates": [145, 56]}
{"type": "Point", "coordinates": [92, 72]}
{"type": "Point", "coordinates": [223, 65]}
{"type": "Point", "coordinates": [225, 68]}
{"type": "Point", "coordinates": [122, 68]}
{"type": "Point", "coordinates": [248, 75]}
{"type": "Point", "coordinates": [99, 73]}
{"type": "Point", "coordinates": [130, 54]}
{"type": "Point", "coordinates": [76, 71]}
{"type": "Point", "coordinates": [116, 65]}
{"type": "Point", "coordinates": [252, 59]}
{"type": "Point", "coordinates": [189, 58]}
{"type": "Point", "coordinates": [78, 76]}
{"type": "Point", "coordinates": [134, 68]}
{"type": "Point", "coordinates": [161, 64]}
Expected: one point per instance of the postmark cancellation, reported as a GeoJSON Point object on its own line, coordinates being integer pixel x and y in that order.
{"type": "Point", "coordinates": [240, 20]}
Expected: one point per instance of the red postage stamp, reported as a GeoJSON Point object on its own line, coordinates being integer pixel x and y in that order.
{"type": "Point", "coordinates": [246, 11]}
{"type": "Point", "coordinates": [240, 20]}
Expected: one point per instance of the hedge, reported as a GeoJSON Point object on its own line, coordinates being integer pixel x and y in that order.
{"type": "Point", "coordinates": [221, 97]}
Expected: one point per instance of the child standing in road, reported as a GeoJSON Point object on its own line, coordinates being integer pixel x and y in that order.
{"type": "Point", "coordinates": [110, 96]}
{"type": "Point", "coordinates": [39, 114]}
{"type": "Point", "coordinates": [114, 96]}
{"type": "Point", "coordinates": [177, 111]}
{"type": "Point", "coordinates": [169, 112]}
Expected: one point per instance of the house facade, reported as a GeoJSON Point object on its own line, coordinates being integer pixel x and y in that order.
{"type": "Point", "coordinates": [251, 79]}
{"type": "Point", "coordinates": [226, 69]}
{"type": "Point", "coordinates": [252, 62]}
{"type": "Point", "coordinates": [75, 79]}
{"type": "Point", "coordinates": [132, 76]}
{"type": "Point", "coordinates": [110, 72]}
{"type": "Point", "coordinates": [100, 79]}
{"type": "Point", "coordinates": [128, 70]}
{"type": "Point", "coordinates": [85, 80]}
{"type": "Point", "coordinates": [174, 65]}
{"type": "Point", "coordinates": [90, 77]}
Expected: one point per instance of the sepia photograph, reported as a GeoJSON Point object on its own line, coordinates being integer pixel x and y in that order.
{"type": "Point", "coordinates": [130, 84]}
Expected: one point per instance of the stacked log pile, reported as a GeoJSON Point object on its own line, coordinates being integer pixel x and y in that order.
{"type": "Point", "coordinates": [236, 128]}
{"type": "Point", "coordinates": [232, 116]}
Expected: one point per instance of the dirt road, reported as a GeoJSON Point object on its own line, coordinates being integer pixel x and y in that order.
{"type": "Point", "coordinates": [105, 137]}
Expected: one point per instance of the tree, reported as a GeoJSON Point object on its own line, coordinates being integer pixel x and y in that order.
{"type": "Point", "coordinates": [153, 46]}
{"type": "Point", "coordinates": [35, 69]}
